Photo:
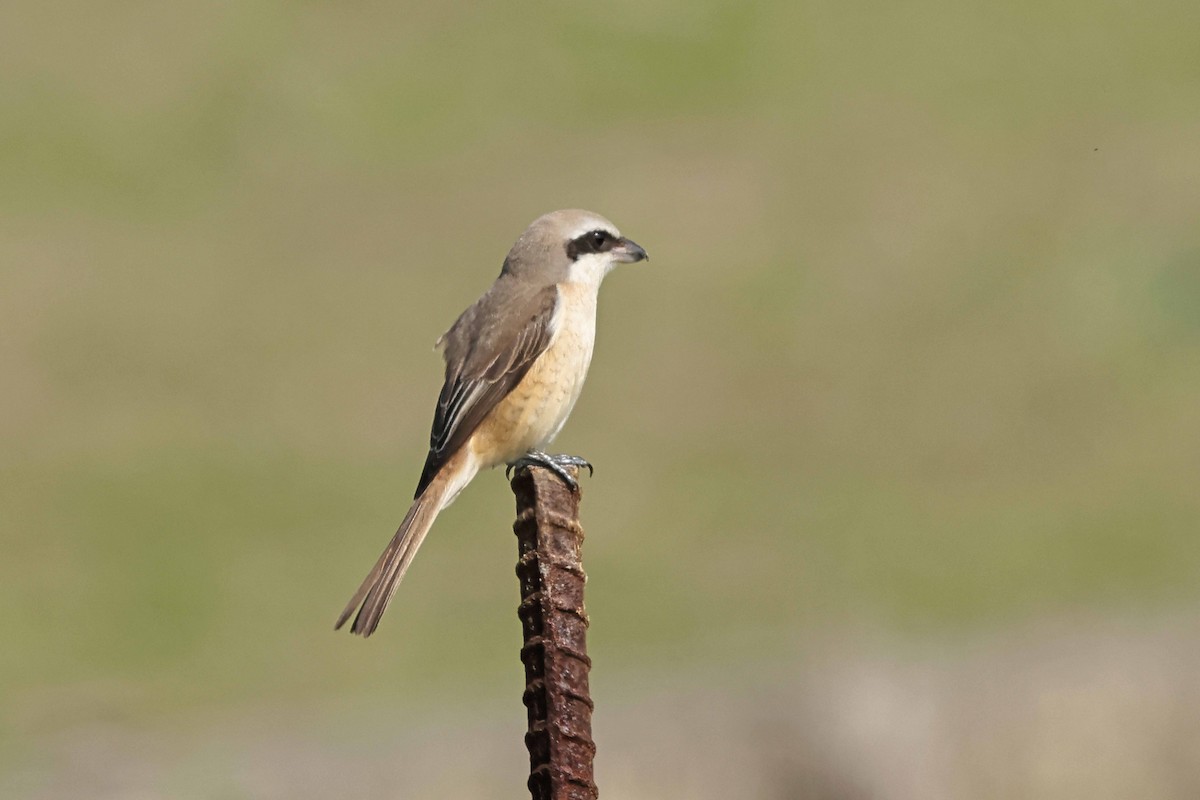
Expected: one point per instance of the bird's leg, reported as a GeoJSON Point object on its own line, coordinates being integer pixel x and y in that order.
{"type": "Point", "coordinates": [556, 464]}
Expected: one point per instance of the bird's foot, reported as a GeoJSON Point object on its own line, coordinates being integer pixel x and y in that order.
{"type": "Point", "coordinates": [556, 464]}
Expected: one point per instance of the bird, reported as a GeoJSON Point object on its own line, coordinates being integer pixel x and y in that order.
{"type": "Point", "coordinates": [516, 361]}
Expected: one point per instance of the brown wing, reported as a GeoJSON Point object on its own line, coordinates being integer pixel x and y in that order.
{"type": "Point", "coordinates": [488, 350]}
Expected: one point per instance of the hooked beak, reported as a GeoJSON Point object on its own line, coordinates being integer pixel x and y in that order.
{"type": "Point", "coordinates": [629, 251]}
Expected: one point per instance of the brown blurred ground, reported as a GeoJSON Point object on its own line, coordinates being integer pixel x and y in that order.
{"type": "Point", "coordinates": [1067, 710]}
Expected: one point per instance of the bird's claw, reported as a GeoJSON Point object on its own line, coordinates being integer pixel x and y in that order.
{"type": "Point", "coordinates": [556, 464]}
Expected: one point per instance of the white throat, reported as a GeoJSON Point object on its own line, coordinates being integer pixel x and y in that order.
{"type": "Point", "coordinates": [589, 270]}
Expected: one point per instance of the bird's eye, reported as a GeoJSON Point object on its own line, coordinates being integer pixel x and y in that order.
{"type": "Point", "coordinates": [593, 241]}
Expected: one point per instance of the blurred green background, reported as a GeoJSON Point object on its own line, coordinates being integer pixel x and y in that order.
{"type": "Point", "coordinates": [908, 392]}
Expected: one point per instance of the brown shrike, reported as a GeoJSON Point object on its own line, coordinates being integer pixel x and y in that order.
{"type": "Point", "coordinates": [515, 364]}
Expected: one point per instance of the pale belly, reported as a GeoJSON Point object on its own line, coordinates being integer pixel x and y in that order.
{"type": "Point", "coordinates": [535, 410]}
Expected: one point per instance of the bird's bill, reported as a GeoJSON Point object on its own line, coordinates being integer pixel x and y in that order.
{"type": "Point", "coordinates": [629, 251]}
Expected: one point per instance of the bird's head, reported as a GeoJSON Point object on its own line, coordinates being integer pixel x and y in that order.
{"type": "Point", "coordinates": [572, 246]}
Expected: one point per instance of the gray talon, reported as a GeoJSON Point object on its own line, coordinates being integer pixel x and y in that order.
{"type": "Point", "coordinates": [556, 464]}
{"type": "Point", "coordinates": [574, 461]}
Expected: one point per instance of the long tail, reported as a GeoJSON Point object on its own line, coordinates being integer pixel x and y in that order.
{"type": "Point", "coordinates": [376, 592]}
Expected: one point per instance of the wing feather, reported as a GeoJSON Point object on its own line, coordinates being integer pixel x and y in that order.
{"type": "Point", "coordinates": [488, 351]}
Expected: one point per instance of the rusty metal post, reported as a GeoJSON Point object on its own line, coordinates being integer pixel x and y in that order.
{"type": "Point", "coordinates": [554, 626]}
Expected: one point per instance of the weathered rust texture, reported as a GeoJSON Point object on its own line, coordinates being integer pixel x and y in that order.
{"type": "Point", "coordinates": [554, 624]}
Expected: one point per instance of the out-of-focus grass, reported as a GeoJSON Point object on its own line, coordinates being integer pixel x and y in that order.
{"type": "Point", "coordinates": [916, 351]}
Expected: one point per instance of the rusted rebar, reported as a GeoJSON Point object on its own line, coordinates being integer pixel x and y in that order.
{"type": "Point", "coordinates": [554, 626]}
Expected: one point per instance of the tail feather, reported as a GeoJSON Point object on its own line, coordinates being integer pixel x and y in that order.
{"type": "Point", "coordinates": [373, 596]}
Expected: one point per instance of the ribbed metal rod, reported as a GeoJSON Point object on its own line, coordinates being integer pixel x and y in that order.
{"type": "Point", "coordinates": [554, 626]}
